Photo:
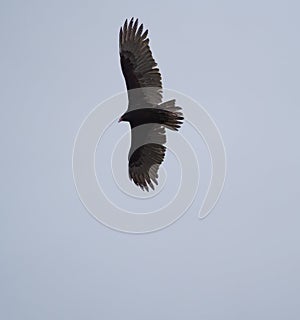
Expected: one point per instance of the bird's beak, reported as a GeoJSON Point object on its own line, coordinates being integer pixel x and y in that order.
{"type": "Point", "coordinates": [120, 119]}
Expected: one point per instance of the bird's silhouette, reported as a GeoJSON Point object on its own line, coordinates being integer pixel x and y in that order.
{"type": "Point", "coordinates": [147, 114]}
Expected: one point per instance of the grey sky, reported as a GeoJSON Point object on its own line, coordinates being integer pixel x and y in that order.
{"type": "Point", "coordinates": [240, 60]}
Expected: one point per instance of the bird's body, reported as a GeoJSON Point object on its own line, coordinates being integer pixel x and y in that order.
{"type": "Point", "coordinates": [147, 114]}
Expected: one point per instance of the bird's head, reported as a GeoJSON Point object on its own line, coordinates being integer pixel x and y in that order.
{"type": "Point", "coordinates": [123, 118]}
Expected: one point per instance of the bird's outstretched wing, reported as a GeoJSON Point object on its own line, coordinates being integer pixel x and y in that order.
{"type": "Point", "coordinates": [138, 66]}
{"type": "Point", "coordinates": [147, 149]}
{"type": "Point", "coordinates": [146, 154]}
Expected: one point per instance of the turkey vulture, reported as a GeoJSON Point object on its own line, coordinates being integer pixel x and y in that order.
{"type": "Point", "coordinates": [147, 114]}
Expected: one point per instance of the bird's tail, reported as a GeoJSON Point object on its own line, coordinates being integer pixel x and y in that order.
{"type": "Point", "coordinates": [170, 116]}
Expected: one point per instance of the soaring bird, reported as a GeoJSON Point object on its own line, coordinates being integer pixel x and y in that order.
{"type": "Point", "coordinates": [147, 114]}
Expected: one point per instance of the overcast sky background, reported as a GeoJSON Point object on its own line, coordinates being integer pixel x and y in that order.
{"type": "Point", "coordinates": [240, 60]}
